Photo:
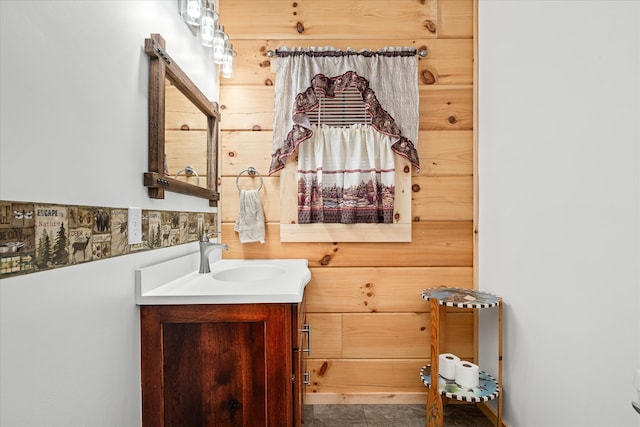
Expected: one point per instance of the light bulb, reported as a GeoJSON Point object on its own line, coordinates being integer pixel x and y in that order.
{"type": "Point", "coordinates": [219, 42]}
{"type": "Point", "coordinates": [194, 9]}
{"type": "Point", "coordinates": [227, 61]}
{"type": "Point", "coordinates": [208, 26]}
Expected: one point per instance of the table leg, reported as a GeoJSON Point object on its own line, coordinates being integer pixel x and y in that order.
{"type": "Point", "coordinates": [435, 416]}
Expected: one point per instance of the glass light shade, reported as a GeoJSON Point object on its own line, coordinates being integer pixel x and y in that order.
{"type": "Point", "coordinates": [208, 26]}
{"type": "Point", "coordinates": [219, 41]}
{"type": "Point", "coordinates": [193, 12]}
{"type": "Point", "coordinates": [227, 62]}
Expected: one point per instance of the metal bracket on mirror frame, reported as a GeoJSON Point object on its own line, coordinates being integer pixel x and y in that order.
{"type": "Point", "coordinates": [158, 183]}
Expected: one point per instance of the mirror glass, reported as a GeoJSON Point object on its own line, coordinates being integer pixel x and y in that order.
{"type": "Point", "coordinates": [183, 130]}
{"type": "Point", "coordinates": [185, 138]}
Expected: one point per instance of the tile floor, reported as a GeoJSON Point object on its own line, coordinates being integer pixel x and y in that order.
{"type": "Point", "coordinates": [389, 416]}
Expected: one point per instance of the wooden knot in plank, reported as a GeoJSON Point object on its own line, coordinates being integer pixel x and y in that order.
{"type": "Point", "coordinates": [430, 26]}
{"type": "Point", "coordinates": [323, 369]}
{"type": "Point", "coordinates": [428, 78]}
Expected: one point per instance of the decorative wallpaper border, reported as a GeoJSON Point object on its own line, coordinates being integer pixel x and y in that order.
{"type": "Point", "coordinates": [41, 236]}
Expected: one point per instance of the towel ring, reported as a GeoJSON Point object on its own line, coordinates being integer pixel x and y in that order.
{"type": "Point", "coordinates": [189, 171]}
{"type": "Point", "coordinates": [251, 171]}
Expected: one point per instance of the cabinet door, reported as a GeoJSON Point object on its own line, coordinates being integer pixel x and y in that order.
{"type": "Point", "coordinates": [213, 372]}
{"type": "Point", "coordinates": [217, 365]}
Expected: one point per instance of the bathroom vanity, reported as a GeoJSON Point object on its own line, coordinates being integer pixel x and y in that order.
{"type": "Point", "coordinates": [235, 363]}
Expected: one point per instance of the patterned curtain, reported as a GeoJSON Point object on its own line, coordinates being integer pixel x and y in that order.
{"type": "Point", "coordinates": [346, 175]}
{"type": "Point", "coordinates": [346, 172]}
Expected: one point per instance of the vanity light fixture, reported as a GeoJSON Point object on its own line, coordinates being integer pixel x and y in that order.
{"type": "Point", "coordinates": [204, 20]}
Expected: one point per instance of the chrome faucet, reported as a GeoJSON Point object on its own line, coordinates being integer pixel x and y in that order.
{"type": "Point", "coordinates": [206, 246]}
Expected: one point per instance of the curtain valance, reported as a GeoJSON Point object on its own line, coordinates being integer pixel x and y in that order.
{"type": "Point", "coordinates": [391, 92]}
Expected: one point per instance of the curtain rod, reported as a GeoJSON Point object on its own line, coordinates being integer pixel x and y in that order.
{"type": "Point", "coordinates": [406, 52]}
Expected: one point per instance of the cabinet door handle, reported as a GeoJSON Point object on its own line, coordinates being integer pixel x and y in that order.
{"type": "Point", "coordinates": [306, 329]}
{"type": "Point", "coordinates": [306, 378]}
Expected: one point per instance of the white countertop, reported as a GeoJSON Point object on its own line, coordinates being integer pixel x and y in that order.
{"type": "Point", "coordinates": [177, 281]}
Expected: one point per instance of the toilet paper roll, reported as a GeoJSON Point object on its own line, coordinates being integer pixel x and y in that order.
{"type": "Point", "coordinates": [447, 365]}
{"type": "Point", "coordinates": [467, 374]}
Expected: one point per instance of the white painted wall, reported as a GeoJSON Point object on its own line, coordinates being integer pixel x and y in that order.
{"type": "Point", "coordinates": [559, 171]}
{"type": "Point", "coordinates": [73, 129]}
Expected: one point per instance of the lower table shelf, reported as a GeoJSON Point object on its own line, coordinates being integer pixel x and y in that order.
{"type": "Point", "coordinates": [488, 388]}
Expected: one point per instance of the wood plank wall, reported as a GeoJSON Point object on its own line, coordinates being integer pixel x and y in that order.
{"type": "Point", "coordinates": [370, 326]}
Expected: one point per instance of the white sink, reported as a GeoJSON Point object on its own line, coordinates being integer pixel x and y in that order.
{"type": "Point", "coordinates": [248, 273]}
{"type": "Point", "coordinates": [234, 281]}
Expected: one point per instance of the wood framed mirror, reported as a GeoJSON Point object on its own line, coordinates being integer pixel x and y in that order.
{"type": "Point", "coordinates": [183, 130]}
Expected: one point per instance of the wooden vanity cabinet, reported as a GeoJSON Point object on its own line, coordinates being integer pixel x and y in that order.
{"type": "Point", "coordinates": [222, 365]}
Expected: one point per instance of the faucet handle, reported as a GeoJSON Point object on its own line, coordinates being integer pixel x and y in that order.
{"type": "Point", "coordinates": [206, 236]}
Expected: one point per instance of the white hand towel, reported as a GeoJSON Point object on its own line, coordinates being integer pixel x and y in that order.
{"type": "Point", "coordinates": [250, 222]}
